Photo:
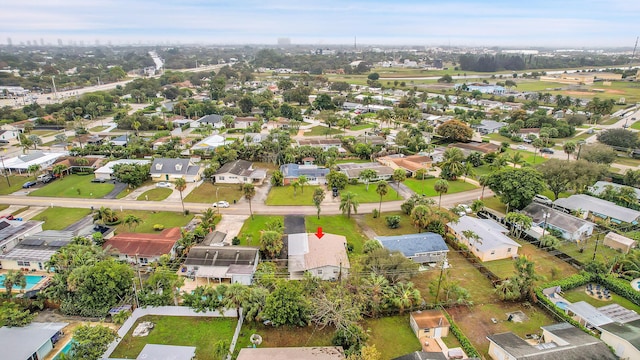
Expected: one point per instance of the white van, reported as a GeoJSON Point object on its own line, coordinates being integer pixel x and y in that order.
{"type": "Point", "coordinates": [542, 199]}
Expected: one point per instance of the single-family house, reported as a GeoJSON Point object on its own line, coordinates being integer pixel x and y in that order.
{"type": "Point", "coordinates": [315, 175]}
{"type": "Point", "coordinates": [73, 163]}
{"type": "Point", "coordinates": [324, 257]}
{"type": "Point", "coordinates": [429, 324]}
{"type": "Point", "coordinates": [623, 338]}
{"type": "Point", "coordinates": [409, 163]}
{"type": "Point", "coordinates": [106, 171]}
{"type": "Point", "coordinates": [353, 170]}
{"type": "Point", "coordinates": [558, 341]}
{"type": "Point", "coordinates": [167, 352]}
{"type": "Point", "coordinates": [13, 231]}
{"type": "Point", "coordinates": [30, 342]}
{"type": "Point", "coordinates": [35, 250]}
{"type": "Point", "coordinates": [20, 164]}
{"type": "Point", "coordinates": [324, 144]}
{"type": "Point", "coordinates": [214, 120]}
{"type": "Point", "coordinates": [9, 134]}
{"type": "Point", "coordinates": [587, 315]}
{"type": "Point", "coordinates": [121, 140]}
{"type": "Point", "coordinates": [572, 228]}
{"type": "Point", "coordinates": [597, 208]}
{"type": "Point", "coordinates": [483, 88]}
{"type": "Point", "coordinates": [293, 353]}
{"type": "Point", "coordinates": [423, 248]}
{"type": "Point", "coordinates": [165, 169]}
{"type": "Point", "coordinates": [487, 127]}
{"type": "Point", "coordinates": [619, 242]}
{"type": "Point", "coordinates": [600, 186]}
{"type": "Point", "coordinates": [492, 243]}
{"type": "Point", "coordinates": [245, 122]}
{"type": "Point", "coordinates": [210, 143]}
{"type": "Point", "coordinates": [239, 172]}
{"type": "Point", "coordinates": [233, 264]}
{"type": "Point", "coordinates": [141, 248]}
{"type": "Point", "coordinates": [178, 123]}
{"type": "Point", "coordinates": [254, 138]}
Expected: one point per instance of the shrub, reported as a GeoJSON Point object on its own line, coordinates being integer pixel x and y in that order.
{"type": "Point", "coordinates": [235, 241]}
{"type": "Point", "coordinates": [393, 222]}
{"type": "Point", "coordinates": [464, 341]}
{"type": "Point", "coordinates": [375, 213]}
{"type": "Point", "coordinates": [158, 227]}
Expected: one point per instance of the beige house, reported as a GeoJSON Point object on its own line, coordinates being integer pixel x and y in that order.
{"type": "Point", "coordinates": [619, 242]}
{"type": "Point", "coordinates": [166, 169]}
{"type": "Point", "coordinates": [429, 324]}
{"type": "Point", "coordinates": [239, 172]}
{"type": "Point", "coordinates": [623, 338]}
{"type": "Point", "coordinates": [324, 258]}
{"type": "Point", "coordinates": [492, 243]}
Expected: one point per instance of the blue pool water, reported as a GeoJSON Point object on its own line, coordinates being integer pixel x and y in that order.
{"type": "Point", "coordinates": [64, 350]}
{"type": "Point", "coordinates": [32, 280]}
{"type": "Point", "coordinates": [562, 305]}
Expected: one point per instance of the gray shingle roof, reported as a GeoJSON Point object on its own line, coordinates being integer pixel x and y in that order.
{"type": "Point", "coordinates": [237, 167]}
{"type": "Point", "coordinates": [173, 166]}
{"type": "Point", "coordinates": [210, 119]}
{"type": "Point", "coordinates": [599, 206]}
{"type": "Point", "coordinates": [556, 218]}
{"type": "Point", "coordinates": [412, 244]}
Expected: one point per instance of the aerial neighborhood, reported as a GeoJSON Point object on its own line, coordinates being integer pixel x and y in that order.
{"type": "Point", "coordinates": [318, 203]}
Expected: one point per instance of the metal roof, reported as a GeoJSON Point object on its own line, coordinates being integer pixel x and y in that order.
{"type": "Point", "coordinates": [19, 343]}
{"type": "Point", "coordinates": [412, 244]}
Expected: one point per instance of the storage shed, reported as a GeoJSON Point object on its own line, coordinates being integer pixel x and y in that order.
{"type": "Point", "coordinates": [619, 242]}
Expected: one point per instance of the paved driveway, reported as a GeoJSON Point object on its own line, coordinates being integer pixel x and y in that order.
{"type": "Point", "coordinates": [231, 224]}
{"type": "Point", "coordinates": [118, 188]}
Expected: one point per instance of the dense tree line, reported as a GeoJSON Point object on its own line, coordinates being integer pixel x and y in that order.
{"type": "Point", "coordinates": [500, 62]}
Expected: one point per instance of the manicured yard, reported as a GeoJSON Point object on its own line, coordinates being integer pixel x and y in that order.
{"type": "Point", "coordinates": [361, 127]}
{"type": "Point", "coordinates": [627, 161]}
{"type": "Point", "coordinates": [338, 224]}
{"type": "Point", "coordinates": [98, 128]}
{"type": "Point", "coordinates": [157, 194]}
{"type": "Point", "coordinates": [392, 336]}
{"type": "Point", "coordinates": [149, 218]}
{"type": "Point", "coordinates": [203, 333]}
{"type": "Point", "coordinates": [379, 225]}
{"type": "Point", "coordinates": [370, 196]}
{"type": "Point", "coordinates": [636, 125]}
{"type": "Point", "coordinates": [579, 294]}
{"type": "Point", "coordinates": [322, 130]}
{"type": "Point", "coordinates": [74, 186]}
{"type": "Point", "coordinates": [250, 233]}
{"type": "Point", "coordinates": [58, 218]}
{"type": "Point", "coordinates": [528, 156]}
{"type": "Point", "coordinates": [206, 193]}
{"type": "Point", "coordinates": [16, 183]}
{"type": "Point", "coordinates": [500, 138]}
{"type": "Point", "coordinates": [284, 195]}
{"type": "Point", "coordinates": [425, 187]}
{"type": "Point", "coordinates": [494, 203]}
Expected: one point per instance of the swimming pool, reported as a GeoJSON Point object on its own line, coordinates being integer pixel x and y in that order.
{"type": "Point", "coordinates": [562, 305]}
{"type": "Point", "coordinates": [65, 350]}
{"type": "Point", "coordinates": [635, 284]}
{"type": "Point", "coordinates": [32, 280]}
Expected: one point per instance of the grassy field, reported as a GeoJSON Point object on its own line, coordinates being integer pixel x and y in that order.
{"type": "Point", "coordinates": [98, 128]}
{"type": "Point", "coordinates": [500, 138]}
{"type": "Point", "coordinates": [528, 156]}
{"type": "Point", "coordinates": [16, 183]}
{"type": "Point", "coordinates": [392, 336]}
{"type": "Point", "coordinates": [361, 127]}
{"type": "Point", "coordinates": [250, 233]}
{"type": "Point", "coordinates": [285, 336]}
{"type": "Point", "coordinates": [59, 218]}
{"type": "Point", "coordinates": [370, 196]}
{"type": "Point", "coordinates": [579, 294]}
{"type": "Point", "coordinates": [494, 203]}
{"type": "Point", "coordinates": [203, 333]}
{"type": "Point", "coordinates": [74, 186]}
{"type": "Point", "coordinates": [322, 130]}
{"type": "Point", "coordinates": [157, 194]}
{"type": "Point", "coordinates": [338, 224]}
{"type": "Point", "coordinates": [627, 161]}
{"type": "Point", "coordinates": [149, 218]}
{"type": "Point", "coordinates": [425, 187]}
{"type": "Point", "coordinates": [284, 195]}
{"type": "Point", "coordinates": [379, 225]}
{"type": "Point", "coordinates": [588, 247]}
{"type": "Point", "coordinates": [206, 193]}
{"type": "Point", "coordinates": [636, 125]}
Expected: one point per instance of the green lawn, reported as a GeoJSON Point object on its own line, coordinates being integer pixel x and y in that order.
{"type": "Point", "coordinates": [322, 130]}
{"type": "Point", "coordinates": [284, 195]}
{"type": "Point", "coordinates": [482, 170]}
{"type": "Point", "coordinates": [425, 187]}
{"type": "Point", "coordinates": [636, 125]}
{"type": "Point", "coordinates": [149, 218]}
{"type": "Point", "coordinates": [206, 193]}
{"type": "Point", "coordinates": [627, 161]}
{"type": "Point", "coordinates": [98, 128]}
{"type": "Point", "coordinates": [535, 85]}
{"type": "Point", "coordinates": [74, 186]}
{"type": "Point", "coordinates": [4, 206]}
{"type": "Point", "coordinates": [203, 333]}
{"type": "Point", "coordinates": [582, 136]}
{"type": "Point", "coordinates": [528, 156]}
{"type": "Point", "coordinates": [338, 224]}
{"type": "Point", "coordinates": [250, 233]}
{"type": "Point", "coordinates": [157, 194]}
{"type": "Point", "coordinates": [361, 127]}
{"type": "Point", "coordinates": [59, 218]}
{"type": "Point", "coordinates": [392, 336]}
{"type": "Point", "coordinates": [588, 247]}
{"type": "Point", "coordinates": [500, 138]}
{"type": "Point", "coordinates": [379, 225]}
{"type": "Point", "coordinates": [16, 183]}
{"type": "Point", "coordinates": [370, 196]}
{"type": "Point", "coordinates": [579, 294]}
{"type": "Point", "coordinates": [494, 203]}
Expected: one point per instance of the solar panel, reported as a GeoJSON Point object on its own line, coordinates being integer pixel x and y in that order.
{"type": "Point", "coordinates": [4, 224]}
{"type": "Point", "coordinates": [32, 242]}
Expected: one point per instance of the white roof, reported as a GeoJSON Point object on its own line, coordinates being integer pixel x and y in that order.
{"type": "Point", "coordinates": [298, 244]}
{"type": "Point", "coordinates": [491, 233]}
{"type": "Point", "coordinates": [598, 206]}
{"type": "Point", "coordinates": [620, 239]}
{"type": "Point", "coordinates": [167, 352]}
{"type": "Point", "coordinates": [19, 343]}
{"type": "Point", "coordinates": [589, 313]}
{"type": "Point", "coordinates": [108, 167]}
{"type": "Point", "coordinates": [211, 142]}
{"type": "Point", "coordinates": [34, 158]}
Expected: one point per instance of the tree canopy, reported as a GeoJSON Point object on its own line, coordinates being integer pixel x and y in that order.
{"type": "Point", "coordinates": [516, 187]}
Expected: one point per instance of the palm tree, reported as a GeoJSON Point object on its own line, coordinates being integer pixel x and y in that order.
{"type": "Point", "coordinates": [382, 189]}
{"type": "Point", "coordinates": [483, 181]}
{"type": "Point", "coordinates": [318, 197]}
{"type": "Point", "coordinates": [405, 296]}
{"type": "Point", "coordinates": [208, 217]}
{"type": "Point", "coordinates": [377, 290]}
{"type": "Point", "coordinates": [399, 175]}
{"type": "Point", "coordinates": [441, 187]}
{"type": "Point", "coordinates": [367, 175]}
{"type": "Point", "coordinates": [569, 148]}
{"type": "Point", "coordinates": [14, 277]}
{"type": "Point", "coordinates": [249, 192]}
{"type": "Point", "coordinates": [295, 186]}
{"type": "Point", "coordinates": [181, 184]}
{"type": "Point", "coordinates": [33, 169]}
{"type": "Point", "coordinates": [82, 162]}
{"type": "Point", "coordinates": [302, 181]}
{"type": "Point", "coordinates": [59, 170]}
{"type": "Point", "coordinates": [421, 216]}
{"type": "Point", "coordinates": [105, 216]}
{"type": "Point", "coordinates": [132, 221]}
{"type": "Point", "coordinates": [630, 265]}
{"type": "Point", "coordinates": [452, 163]}
{"type": "Point", "coordinates": [468, 170]}
{"type": "Point", "coordinates": [348, 202]}
{"type": "Point", "coordinates": [516, 159]}
{"type": "Point", "coordinates": [472, 238]}
{"type": "Point", "coordinates": [234, 296]}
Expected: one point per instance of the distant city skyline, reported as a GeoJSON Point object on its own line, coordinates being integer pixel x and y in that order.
{"type": "Point", "coordinates": [537, 23]}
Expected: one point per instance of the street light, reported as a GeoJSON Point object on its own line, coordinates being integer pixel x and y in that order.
{"type": "Point", "coordinates": [217, 200]}
{"type": "Point", "coordinates": [545, 216]}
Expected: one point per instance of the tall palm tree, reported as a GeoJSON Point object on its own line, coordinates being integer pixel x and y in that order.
{"type": "Point", "coordinates": [483, 181]}
{"type": "Point", "coordinates": [14, 278]}
{"type": "Point", "coordinates": [59, 170]}
{"type": "Point", "coordinates": [421, 216]}
{"type": "Point", "coordinates": [382, 189]}
{"type": "Point", "coordinates": [249, 192]}
{"type": "Point", "coordinates": [132, 221]}
{"type": "Point", "coordinates": [441, 187]}
{"type": "Point", "coordinates": [569, 148]}
{"type": "Point", "coordinates": [468, 170]}
{"type": "Point", "coordinates": [302, 181]}
{"type": "Point", "coordinates": [516, 159]}
{"type": "Point", "coordinates": [378, 290]}
{"type": "Point", "coordinates": [348, 202]}
{"type": "Point", "coordinates": [33, 169]}
{"type": "Point", "coordinates": [235, 295]}
{"type": "Point", "coordinates": [208, 217]}
{"type": "Point", "coordinates": [367, 175]}
{"type": "Point", "coordinates": [318, 198]}
{"type": "Point", "coordinates": [181, 184]}
{"type": "Point", "coordinates": [472, 238]}
{"type": "Point", "coordinates": [405, 296]}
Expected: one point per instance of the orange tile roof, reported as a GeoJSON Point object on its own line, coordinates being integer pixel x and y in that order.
{"type": "Point", "coordinates": [153, 244]}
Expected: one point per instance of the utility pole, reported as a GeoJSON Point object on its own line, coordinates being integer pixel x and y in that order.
{"type": "Point", "coordinates": [595, 250]}
{"type": "Point", "coordinates": [439, 281]}
{"type": "Point", "coordinates": [53, 82]}
{"type": "Point", "coordinates": [6, 174]}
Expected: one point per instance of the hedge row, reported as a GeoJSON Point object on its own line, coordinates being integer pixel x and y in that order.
{"type": "Point", "coordinates": [464, 341]}
{"type": "Point", "coordinates": [619, 286]}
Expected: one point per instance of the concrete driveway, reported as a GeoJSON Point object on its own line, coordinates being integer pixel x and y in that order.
{"type": "Point", "coordinates": [231, 224]}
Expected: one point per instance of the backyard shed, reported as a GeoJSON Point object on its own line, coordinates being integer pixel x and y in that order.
{"type": "Point", "coordinates": [619, 242]}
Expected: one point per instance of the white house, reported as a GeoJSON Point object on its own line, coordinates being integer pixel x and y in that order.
{"type": "Point", "coordinates": [31, 342]}
{"type": "Point", "coordinates": [167, 169]}
{"type": "Point", "coordinates": [106, 171]}
{"type": "Point", "coordinates": [572, 228]}
{"type": "Point", "coordinates": [325, 257]}
{"type": "Point", "coordinates": [210, 143]}
{"type": "Point", "coordinates": [19, 164]}
{"type": "Point", "coordinates": [13, 231]}
{"type": "Point", "coordinates": [624, 338]}
{"type": "Point", "coordinates": [234, 264]}
{"type": "Point", "coordinates": [239, 172]}
{"type": "Point", "coordinates": [492, 243]}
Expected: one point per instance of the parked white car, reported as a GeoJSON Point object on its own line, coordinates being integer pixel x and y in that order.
{"type": "Point", "coordinates": [221, 204]}
{"type": "Point", "coordinates": [163, 184]}
{"type": "Point", "coordinates": [466, 208]}
{"type": "Point", "coordinates": [521, 147]}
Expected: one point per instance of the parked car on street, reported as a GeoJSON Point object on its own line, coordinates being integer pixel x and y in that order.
{"type": "Point", "coordinates": [163, 184]}
{"type": "Point", "coordinates": [542, 199]}
{"type": "Point", "coordinates": [521, 147]}
{"type": "Point", "coordinates": [546, 151]}
{"type": "Point", "coordinates": [98, 180]}
{"type": "Point", "coordinates": [29, 184]}
{"type": "Point", "coordinates": [221, 204]}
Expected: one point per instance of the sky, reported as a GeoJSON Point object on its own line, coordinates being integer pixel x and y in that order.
{"type": "Point", "coordinates": [507, 23]}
